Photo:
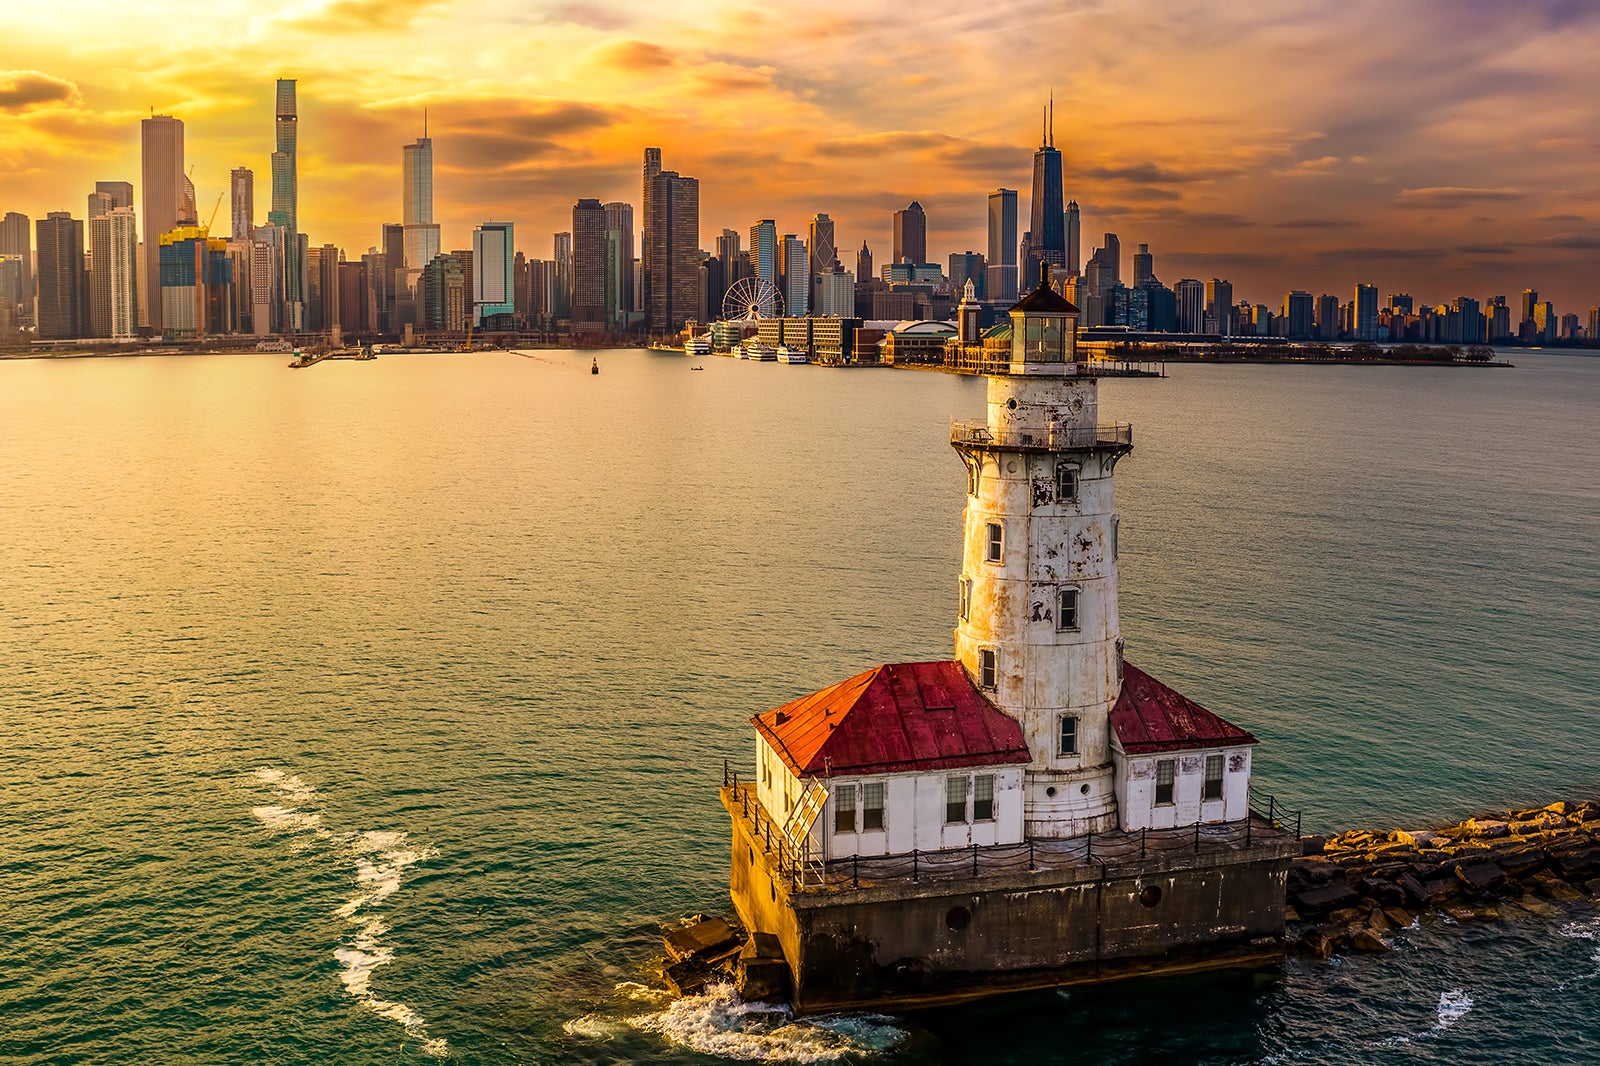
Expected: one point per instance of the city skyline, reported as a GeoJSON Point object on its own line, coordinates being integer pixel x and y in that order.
{"type": "Point", "coordinates": [1328, 156]}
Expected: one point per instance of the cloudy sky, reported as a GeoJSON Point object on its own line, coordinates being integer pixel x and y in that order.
{"type": "Point", "coordinates": [1442, 147]}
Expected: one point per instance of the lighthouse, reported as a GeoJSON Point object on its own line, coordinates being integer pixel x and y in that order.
{"type": "Point", "coordinates": [1034, 810]}
{"type": "Point", "coordinates": [1037, 625]}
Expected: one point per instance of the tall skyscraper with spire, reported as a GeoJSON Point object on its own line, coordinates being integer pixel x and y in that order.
{"type": "Point", "coordinates": [420, 234]}
{"type": "Point", "coordinates": [161, 144]}
{"type": "Point", "coordinates": [285, 210]}
{"type": "Point", "coordinates": [1047, 219]}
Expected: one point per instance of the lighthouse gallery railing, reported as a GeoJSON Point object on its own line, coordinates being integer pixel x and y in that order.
{"type": "Point", "coordinates": [1050, 438]}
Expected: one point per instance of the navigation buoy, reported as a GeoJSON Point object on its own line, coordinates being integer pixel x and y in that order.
{"type": "Point", "coordinates": [594, 366]}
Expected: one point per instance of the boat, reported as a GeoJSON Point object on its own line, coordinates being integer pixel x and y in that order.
{"type": "Point", "coordinates": [697, 346]}
{"type": "Point", "coordinates": [697, 368]}
{"type": "Point", "coordinates": [790, 355]}
{"type": "Point", "coordinates": [594, 366]}
{"type": "Point", "coordinates": [757, 352]}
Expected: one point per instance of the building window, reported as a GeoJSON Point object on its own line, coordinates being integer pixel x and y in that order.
{"type": "Point", "coordinates": [844, 808]}
{"type": "Point", "coordinates": [966, 598]}
{"type": "Point", "coordinates": [1213, 789]}
{"type": "Point", "coordinates": [872, 807]}
{"type": "Point", "coordinates": [995, 544]}
{"type": "Point", "coordinates": [986, 668]}
{"type": "Point", "coordinates": [983, 798]}
{"type": "Point", "coordinates": [1165, 772]}
{"type": "Point", "coordinates": [974, 475]}
{"type": "Point", "coordinates": [1066, 482]}
{"type": "Point", "coordinates": [1067, 609]}
{"type": "Point", "coordinates": [955, 800]}
{"type": "Point", "coordinates": [1068, 735]}
{"type": "Point", "coordinates": [1116, 526]}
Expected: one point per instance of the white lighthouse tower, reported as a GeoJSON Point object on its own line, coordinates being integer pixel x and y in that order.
{"type": "Point", "coordinates": [1038, 629]}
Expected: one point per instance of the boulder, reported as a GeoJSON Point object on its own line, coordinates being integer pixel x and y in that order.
{"type": "Point", "coordinates": [1319, 943]}
{"type": "Point", "coordinates": [1582, 861]}
{"type": "Point", "coordinates": [1325, 898]}
{"type": "Point", "coordinates": [1558, 807]}
{"type": "Point", "coordinates": [1312, 845]}
{"type": "Point", "coordinates": [1521, 861]}
{"type": "Point", "coordinates": [1551, 887]}
{"type": "Point", "coordinates": [1398, 917]}
{"type": "Point", "coordinates": [1415, 893]}
{"type": "Point", "coordinates": [1491, 830]}
{"type": "Point", "coordinates": [1368, 941]}
{"type": "Point", "coordinates": [1386, 893]}
{"type": "Point", "coordinates": [1480, 876]}
{"type": "Point", "coordinates": [1460, 912]}
{"type": "Point", "coordinates": [1538, 823]}
{"type": "Point", "coordinates": [1441, 888]}
{"type": "Point", "coordinates": [1347, 916]}
{"type": "Point", "coordinates": [1417, 838]}
{"type": "Point", "coordinates": [1378, 923]}
{"type": "Point", "coordinates": [1309, 873]}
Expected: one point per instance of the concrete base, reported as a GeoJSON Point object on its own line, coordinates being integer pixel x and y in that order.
{"type": "Point", "coordinates": [905, 942]}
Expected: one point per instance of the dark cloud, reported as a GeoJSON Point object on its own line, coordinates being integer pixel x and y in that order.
{"type": "Point", "coordinates": [22, 90]}
{"type": "Point", "coordinates": [1310, 223]}
{"type": "Point", "coordinates": [1562, 218]}
{"type": "Point", "coordinates": [1449, 196]}
{"type": "Point", "coordinates": [1152, 174]}
{"type": "Point", "coordinates": [1577, 242]}
{"type": "Point", "coordinates": [868, 145]}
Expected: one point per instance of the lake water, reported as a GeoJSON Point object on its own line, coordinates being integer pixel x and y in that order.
{"type": "Point", "coordinates": [375, 712]}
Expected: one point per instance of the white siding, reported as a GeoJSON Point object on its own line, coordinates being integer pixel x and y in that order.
{"type": "Point", "coordinates": [914, 815]}
{"type": "Point", "coordinates": [1136, 788]}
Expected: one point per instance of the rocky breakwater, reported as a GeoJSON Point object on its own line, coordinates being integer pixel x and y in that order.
{"type": "Point", "coordinates": [1351, 890]}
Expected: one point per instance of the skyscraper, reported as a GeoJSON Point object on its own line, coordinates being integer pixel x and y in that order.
{"type": "Point", "coordinates": [911, 235]}
{"type": "Point", "coordinates": [16, 241]}
{"type": "Point", "coordinates": [1219, 307]}
{"type": "Point", "coordinates": [1002, 259]}
{"type": "Point", "coordinates": [1144, 266]}
{"type": "Point", "coordinates": [764, 259]}
{"type": "Point", "coordinates": [109, 195]}
{"type": "Point", "coordinates": [864, 263]}
{"type": "Point", "coordinates": [794, 268]}
{"type": "Point", "coordinates": [588, 266]}
{"type": "Point", "coordinates": [242, 185]}
{"type": "Point", "coordinates": [61, 280]}
{"type": "Point", "coordinates": [1190, 295]}
{"type": "Point", "coordinates": [671, 245]}
{"type": "Point", "coordinates": [114, 259]}
{"type": "Point", "coordinates": [1365, 324]}
{"type": "Point", "coordinates": [822, 251]}
{"type": "Point", "coordinates": [286, 200]}
{"type": "Point", "coordinates": [1046, 216]}
{"type": "Point", "coordinates": [619, 220]}
{"type": "Point", "coordinates": [494, 256]}
{"type": "Point", "coordinates": [162, 188]}
{"type": "Point", "coordinates": [1074, 241]}
{"type": "Point", "coordinates": [965, 266]}
{"type": "Point", "coordinates": [561, 274]}
{"type": "Point", "coordinates": [421, 232]}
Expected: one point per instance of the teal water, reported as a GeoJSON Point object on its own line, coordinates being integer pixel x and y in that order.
{"type": "Point", "coordinates": [375, 712]}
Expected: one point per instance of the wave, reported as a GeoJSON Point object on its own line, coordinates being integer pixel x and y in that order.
{"type": "Point", "coordinates": [718, 1022]}
{"type": "Point", "coordinates": [380, 859]}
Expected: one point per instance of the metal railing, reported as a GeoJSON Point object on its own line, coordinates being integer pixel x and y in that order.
{"type": "Point", "coordinates": [1048, 438]}
{"type": "Point", "coordinates": [1276, 815]}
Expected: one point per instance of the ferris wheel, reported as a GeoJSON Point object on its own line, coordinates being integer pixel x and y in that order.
{"type": "Point", "coordinates": [752, 298]}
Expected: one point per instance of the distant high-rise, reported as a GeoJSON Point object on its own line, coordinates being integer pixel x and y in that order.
{"type": "Point", "coordinates": [114, 259]}
{"type": "Point", "coordinates": [671, 245]}
{"type": "Point", "coordinates": [286, 199]}
{"type": "Point", "coordinates": [1365, 324]}
{"type": "Point", "coordinates": [1144, 267]}
{"type": "Point", "coordinates": [1299, 312]}
{"type": "Point", "coordinates": [969, 266]}
{"type": "Point", "coordinates": [1530, 300]}
{"type": "Point", "coordinates": [162, 189]}
{"type": "Point", "coordinates": [494, 256]}
{"type": "Point", "coordinates": [1046, 216]}
{"type": "Point", "coordinates": [1327, 318]}
{"type": "Point", "coordinates": [619, 285]}
{"type": "Point", "coordinates": [1190, 296]}
{"type": "Point", "coordinates": [1074, 242]}
{"type": "Point", "coordinates": [16, 241]}
{"type": "Point", "coordinates": [822, 252]}
{"type": "Point", "coordinates": [242, 185]}
{"type": "Point", "coordinates": [588, 266]}
{"type": "Point", "coordinates": [109, 195]}
{"type": "Point", "coordinates": [561, 274]}
{"type": "Point", "coordinates": [764, 259]}
{"type": "Point", "coordinates": [61, 281]}
{"type": "Point", "coordinates": [1219, 307]}
{"type": "Point", "coordinates": [794, 271]}
{"type": "Point", "coordinates": [421, 232]}
{"type": "Point", "coordinates": [1001, 283]}
{"type": "Point", "coordinates": [864, 263]}
{"type": "Point", "coordinates": [911, 235]}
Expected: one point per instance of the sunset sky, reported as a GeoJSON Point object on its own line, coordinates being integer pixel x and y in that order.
{"type": "Point", "coordinates": [1443, 147]}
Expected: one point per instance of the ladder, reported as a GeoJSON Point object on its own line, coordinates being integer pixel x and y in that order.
{"type": "Point", "coordinates": [797, 831]}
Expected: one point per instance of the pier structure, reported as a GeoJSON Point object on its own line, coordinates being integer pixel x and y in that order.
{"type": "Point", "coordinates": [972, 792]}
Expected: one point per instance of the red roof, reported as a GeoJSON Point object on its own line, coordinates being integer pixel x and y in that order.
{"type": "Point", "coordinates": [893, 719]}
{"type": "Point", "coordinates": [1149, 717]}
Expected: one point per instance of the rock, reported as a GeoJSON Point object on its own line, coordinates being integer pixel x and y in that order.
{"type": "Point", "coordinates": [1328, 897]}
{"type": "Point", "coordinates": [1419, 838]}
{"type": "Point", "coordinates": [1551, 887]}
{"type": "Point", "coordinates": [1521, 861]}
{"type": "Point", "coordinates": [1540, 822]}
{"type": "Point", "coordinates": [1543, 908]}
{"type": "Point", "coordinates": [1415, 894]}
{"type": "Point", "coordinates": [1480, 876]}
{"type": "Point", "coordinates": [1368, 941]}
{"type": "Point", "coordinates": [1346, 916]}
{"type": "Point", "coordinates": [1290, 915]}
{"type": "Point", "coordinates": [703, 940]}
{"type": "Point", "coordinates": [1378, 923]}
{"type": "Point", "coordinates": [1397, 917]}
{"type": "Point", "coordinates": [1583, 861]}
{"type": "Point", "coordinates": [1442, 888]}
{"type": "Point", "coordinates": [1489, 829]}
{"type": "Point", "coordinates": [1319, 943]}
{"type": "Point", "coordinates": [1593, 887]}
{"type": "Point", "coordinates": [761, 974]}
{"type": "Point", "coordinates": [1558, 807]}
{"type": "Point", "coordinates": [1386, 893]}
{"type": "Point", "coordinates": [1460, 912]}
{"type": "Point", "coordinates": [1312, 845]}
{"type": "Point", "coordinates": [1309, 873]}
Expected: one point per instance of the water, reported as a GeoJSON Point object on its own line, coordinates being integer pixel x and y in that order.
{"type": "Point", "coordinates": [375, 712]}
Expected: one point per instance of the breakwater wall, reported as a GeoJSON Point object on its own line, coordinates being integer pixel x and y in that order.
{"type": "Point", "coordinates": [1351, 890]}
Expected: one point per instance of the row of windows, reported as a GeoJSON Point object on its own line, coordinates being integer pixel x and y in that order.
{"type": "Point", "coordinates": [1066, 605]}
{"type": "Point", "coordinates": [989, 666]}
{"type": "Point", "coordinates": [859, 808]}
{"type": "Point", "coordinates": [1067, 475]}
{"type": "Point", "coordinates": [1166, 778]}
{"type": "Point", "coordinates": [994, 540]}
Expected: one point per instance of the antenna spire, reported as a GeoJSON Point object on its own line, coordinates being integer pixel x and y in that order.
{"type": "Point", "coordinates": [1051, 111]}
{"type": "Point", "coordinates": [424, 123]}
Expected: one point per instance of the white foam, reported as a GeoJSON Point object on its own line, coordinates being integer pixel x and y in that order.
{"type": "Point", "coordinates": [1453, 1006]}
{"type": "Point", "coordinates": [718, 1022]}
{"type": "Point", "coordinates": [380, 859]}
{"type": "Point", "coordinates": [642, 993]}
{"type": "Point", "coordinates": [592, 1027]}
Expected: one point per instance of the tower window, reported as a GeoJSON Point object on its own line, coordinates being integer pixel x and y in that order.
{"type": "Point", "coordinates": [974, 475]}
{"type": "Point", "coordinates": [1066, 482]}
{"type": "Point", "coordinates": [1166, 771]}
{"type": "Point", "coordinates": [872, 806]}
{"type": "Point", "coordinates": [983, 798]}
{"type": "Point", "coordinates": [966, 598]}
{"type": "Point", "coordinates": [844, 808]}
{"type": "Point", "coordinates": [955, 800]}
{"type": "Point", "coordinates": [986, 668]}
{"type": "Point", "coordinates": [995, 543]}
{"type": "Point", "coordinates": [1213, 789]}
{"type": "Point", "coordinates": [1067, 609]}
{"type": "Point", "coordinates": [1116, 524]}
{"type": "Point", "coordinates": [1068, 735]}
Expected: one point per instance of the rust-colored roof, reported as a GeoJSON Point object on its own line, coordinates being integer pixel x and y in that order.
{"type": "Point", "coordinates": [1149, 717]}
{"type": "Point", "coordinates": [894, 719]}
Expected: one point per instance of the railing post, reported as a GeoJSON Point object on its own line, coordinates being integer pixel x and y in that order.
{"type": "Point", "coordinates": [913, 864]}
{"type": "Point", "coordinates": [1272, 809]}
{"type": "Point", "coordinates": [855, 870]}
{"type": "Point", "coordinates": [1030, 856]}
{"type": "Point", "coordinates": [1249, 824]}
{"type": "Point", "coordinates": [1144, 829]}
{"type": "Point", "coordinates": [1197, 837]}
{"type": "Point", "coordinates": [1088, 855]}
{"type": "Point", "coordinates": [1297, 825]}
{"type": "Point", "coordinates": [974, 860]}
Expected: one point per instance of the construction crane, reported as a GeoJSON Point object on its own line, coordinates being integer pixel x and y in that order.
{"type": "Point", "coordinates": [214, 211]}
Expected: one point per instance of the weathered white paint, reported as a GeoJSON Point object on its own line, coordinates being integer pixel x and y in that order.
{"type": "Point", "coordinates": [1049, 544]}
{"type": "Point", "coordinates": [1136, 788]}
